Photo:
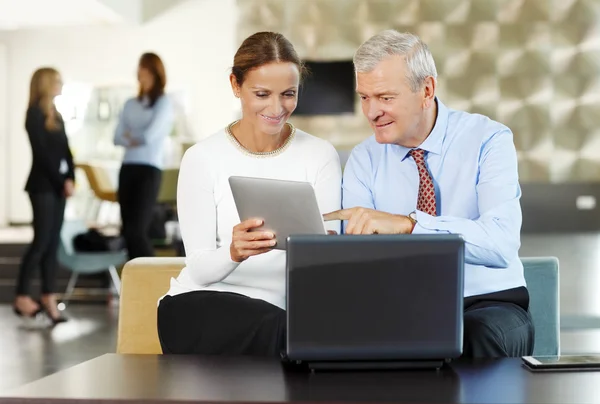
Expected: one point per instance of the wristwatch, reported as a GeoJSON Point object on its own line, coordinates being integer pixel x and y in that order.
{"type": "Point", "coordinates": [412, 216]}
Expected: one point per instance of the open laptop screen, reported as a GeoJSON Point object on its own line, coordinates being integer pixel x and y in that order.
{"type": "Point", "coordinates": [374, 296]}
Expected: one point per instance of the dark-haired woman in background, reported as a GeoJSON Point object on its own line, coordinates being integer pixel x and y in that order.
{"type": "Point", "coordinates": [144, 125]}
{"type": "Point", "coordinates": [50, 182]}
{"type": "Point", "coordinates": [230, 298]}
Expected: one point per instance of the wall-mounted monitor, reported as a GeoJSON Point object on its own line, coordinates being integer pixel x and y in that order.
{"type": "Point", "coordinates": [329, 89]}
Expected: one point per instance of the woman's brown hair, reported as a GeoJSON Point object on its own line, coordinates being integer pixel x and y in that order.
{"type": "Point", "coordinates": [40, 95]}
{"type": "Point", "coordinates": [152, 62]}
{"type": "Point", "coordinates": [260, 49]}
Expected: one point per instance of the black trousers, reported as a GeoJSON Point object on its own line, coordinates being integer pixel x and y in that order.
{"type": "Point", "coordinates": [48, 214]}
{"type": "Point", "coordinates": [213, 323]}
{"type": "Point", "coordinates": [139, 185]}
{"type": "Point", "coordinates": [494, 329]}
{"type": "Point", "coordinates": [224, 323]}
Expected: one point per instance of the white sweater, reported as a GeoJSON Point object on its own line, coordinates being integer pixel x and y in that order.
{"type": "Point", "coordinates": [207, 212]}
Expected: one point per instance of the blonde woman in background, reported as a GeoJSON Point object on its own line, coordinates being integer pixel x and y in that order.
{"type": "Point", "coordinates": [50, 182]}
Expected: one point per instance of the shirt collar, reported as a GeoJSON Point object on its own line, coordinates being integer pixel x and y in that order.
{"type": "Point", "coordinates": [433, 142]}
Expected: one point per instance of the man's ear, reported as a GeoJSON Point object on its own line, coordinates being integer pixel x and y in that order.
{"type": "Point", "coordinates": [429, 92]}
{"type": "Point", "coordinates": [235, 87]}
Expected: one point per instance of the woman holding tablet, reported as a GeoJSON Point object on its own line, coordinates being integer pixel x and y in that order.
{"type": "Point", "coordinates": [230, 298]}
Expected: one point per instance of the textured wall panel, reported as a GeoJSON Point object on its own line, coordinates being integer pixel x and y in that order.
{"type": "Point", "coordinates": [531, 64]}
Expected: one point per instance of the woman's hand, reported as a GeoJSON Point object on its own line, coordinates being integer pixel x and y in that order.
{"type": "Point", "coordinates": [69, 187]}
{"type": "Point", "coordinates": [132, 142]}
{"type": "Point", "coordinates": [246, 243]}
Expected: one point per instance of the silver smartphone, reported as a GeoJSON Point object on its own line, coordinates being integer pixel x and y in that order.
{"type": "Point", "coordinates": [562, 362]}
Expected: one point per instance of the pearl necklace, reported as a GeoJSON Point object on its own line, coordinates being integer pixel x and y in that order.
{"type": "Point", "coordinates": [273, 153]}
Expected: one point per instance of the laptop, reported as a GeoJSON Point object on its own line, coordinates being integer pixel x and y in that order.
{"type": "Point", "coordinates": [374, 301]}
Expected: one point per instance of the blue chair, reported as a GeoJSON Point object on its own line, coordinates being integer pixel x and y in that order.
{"type": "Point", "coordinates": [85, 263]}
{"type": "Point", "coordinates": [542, 277]}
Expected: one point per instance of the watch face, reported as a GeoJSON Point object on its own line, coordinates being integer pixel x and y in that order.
{"type": "Point", "coordinates": [413, 216]}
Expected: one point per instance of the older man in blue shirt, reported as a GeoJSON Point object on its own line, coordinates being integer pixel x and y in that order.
{"type": "Point", "coordinates": [430, 169]}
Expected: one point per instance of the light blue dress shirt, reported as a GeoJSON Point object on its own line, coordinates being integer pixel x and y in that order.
{"type": "Point", "coordinates": [150, 127]}
{"type": "Point", "coordinates": [473, 163]}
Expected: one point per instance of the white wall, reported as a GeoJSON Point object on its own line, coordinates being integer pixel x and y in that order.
{"type": "Point", "coordinates": [196, 41]}
{"type": "Point", "coordinates": [4, 196]}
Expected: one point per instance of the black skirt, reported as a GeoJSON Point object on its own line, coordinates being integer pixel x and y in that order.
{"type": "Point", "coordinates": [220, 323]}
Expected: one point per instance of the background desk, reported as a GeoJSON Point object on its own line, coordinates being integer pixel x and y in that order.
{"type": "Point", "coordinates": [171, 379]}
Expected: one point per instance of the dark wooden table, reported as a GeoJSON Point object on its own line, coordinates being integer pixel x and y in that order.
{"type": "Point", "coordinates": [170, 379]}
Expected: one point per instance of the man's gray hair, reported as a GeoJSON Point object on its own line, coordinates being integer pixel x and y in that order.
{"type": "Point", "coordinates": [419, 61]}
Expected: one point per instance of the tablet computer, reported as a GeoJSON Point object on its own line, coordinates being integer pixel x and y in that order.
{"type": "Point", "coordinates": [562, 362]}
{"type": "Point", "coordinates": [286, 207]}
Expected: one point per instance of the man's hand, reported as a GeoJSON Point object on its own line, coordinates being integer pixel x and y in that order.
{"type": "Point", "coordinates": [369, 221]}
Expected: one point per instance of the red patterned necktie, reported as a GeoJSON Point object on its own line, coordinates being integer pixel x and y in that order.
{"type": "Point", "coordinates": [426, 202]}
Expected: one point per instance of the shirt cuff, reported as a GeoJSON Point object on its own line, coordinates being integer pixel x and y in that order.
{"type": "Point", "coordinates": [225, 257]}
{"type": "Point", "coordinates": [426, 224]}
